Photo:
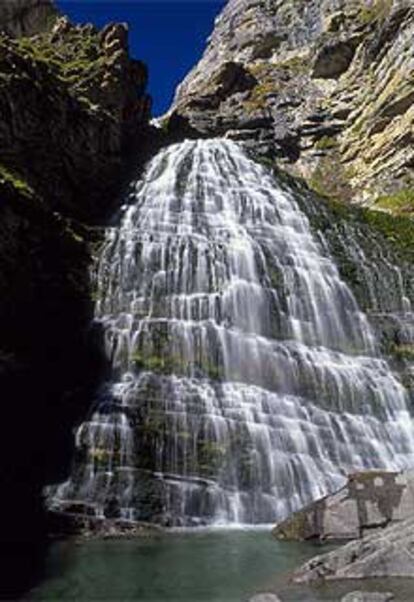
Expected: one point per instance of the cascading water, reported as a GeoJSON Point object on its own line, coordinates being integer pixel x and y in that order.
{"type": "Point", "coordinates": [246, 381]}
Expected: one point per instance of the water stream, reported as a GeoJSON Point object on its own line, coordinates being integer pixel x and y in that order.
{"type": "Point", "coordinates": [246, 381]}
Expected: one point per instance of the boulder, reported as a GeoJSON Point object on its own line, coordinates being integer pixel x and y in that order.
{"type": "Point", "coordinates": [368, 597]}
{"type": "Point", "coordinates": [384, 553]}
{"type": "Point", "coordinates": [369, 500]}
{"type": "Point", "coordinates": [265, 598]}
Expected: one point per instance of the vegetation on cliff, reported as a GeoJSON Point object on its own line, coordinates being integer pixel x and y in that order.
{"type": "Point", "coordinates": [80, 86]}
{"type": "Point", "coordinates": [74, 103]}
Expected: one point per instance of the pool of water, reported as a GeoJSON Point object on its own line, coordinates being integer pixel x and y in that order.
{"type": "Point", "coordinates": [222, 566]}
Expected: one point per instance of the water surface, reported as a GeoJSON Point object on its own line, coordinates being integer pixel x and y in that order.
{"type": "Point", "coordinates": [207, 566]}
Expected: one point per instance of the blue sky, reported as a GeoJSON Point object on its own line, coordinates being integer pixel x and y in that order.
{"type": "Point", "coordinates": [169, 36]}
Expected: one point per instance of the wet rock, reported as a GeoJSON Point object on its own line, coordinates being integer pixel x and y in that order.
{"type": "Point", "coordinates": [265, 598]}
{"type": "Point", "coordinates": [63, 524]}
{"type": "Point", "coordinates": [368, 597]}
{"type": "Point", "coordinates": [369, 500]}
{"type": "Point", "coordinates": [63, 143]}
{"type": "Point", "coordinates": [384, 553]}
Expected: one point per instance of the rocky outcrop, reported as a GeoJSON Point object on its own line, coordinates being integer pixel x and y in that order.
{"type": "Point", "coordinates": [80, 86]}
{"type": "Point", "coordinates": [90, 527]}
{"type": "Point", "coordinates": [368, 597]}
{"type": "Point", "coordinates": [268, 597]}
{"type": "Point", "coordinates": [375, 509]}
{"type": "Point", "coordinates": [26, 17]}
{"type": "Point", "coordinates": [369, 500]}
{"type": "Point", "coordinates": [72, 106]}
{"type": "Point", "coordinates": [331, 82]}
{"type": "Point", "coordinates": [384, 553]}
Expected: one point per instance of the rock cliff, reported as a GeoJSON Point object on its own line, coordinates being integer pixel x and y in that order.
{"type": "Point", "coordinates": [72, 106]}
{"type": "Point", "coordinates": [26, 17]}
{"type": "Point", "coordinates": [386, 553]}
{"type": "Point", "coordinates": [312, 84]}
{"type": "Point", "coordinates": [82, 88]}
{"type": "Point", "coordinates": [370, 500]}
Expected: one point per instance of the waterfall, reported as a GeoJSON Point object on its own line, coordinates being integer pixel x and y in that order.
{"type": "Point", "coordinates": [246, 381]}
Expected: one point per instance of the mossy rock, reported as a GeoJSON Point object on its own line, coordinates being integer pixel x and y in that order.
{"type": "Point", "coordinates": [376, 11]}
{"type": "Point", "coordinates": [401, 202]}
{"type": "Point", "coordinates": [295, 528]}
{"type": "Point", "coordinates": [11, 178]}
{"type": "Point", "coordinates": [326, 143]}
{"type": "Point", "coordinates": [403, 352]}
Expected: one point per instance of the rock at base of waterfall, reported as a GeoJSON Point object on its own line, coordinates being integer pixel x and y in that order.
{"type": "Point", "coordinates": [368, 597]}
{"type": "Point", "coordinates": [64, 524]}
{"type": "Point", "coordinates": [370, 499]}
{"type": "Point", "coordinates": [384, 553]}
{"type": "Point", "coordinates": [265, 598]}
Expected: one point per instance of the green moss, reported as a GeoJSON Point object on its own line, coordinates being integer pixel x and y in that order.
{"type": "Point", "coordinates": [153, 427]}
{"type": "Point", "coordinates": [102, 456]}
{"type": "Point", "coordinates": [76, 59]}
{"type": "Point", "coordinates": [378, 10]}
{"type": "Point", "coordinates": [397, 229]}
{"type": "Point", "coordinates": [16, 181]}
{"type": "Point", "coordinates": [260, 93]}
{"type": "Point", "coordinates": [403, 352]}
{"type": "Point", "coordinates": [210, 456]}
{"type": "Point", "coordinates": [153, 363]}
{"type": "Point", "coordinates": [400, 202]}
{"type": "Point", "coordinates": [166, 363]}
{"type": "Point", "coordinates": [325, 143]}
{"type": "Point", "coordinates": [330, 178]}
{"type": "Point", "coordinates": [294, 528]}
{"type": "Point", "coordinates": [340, 223]}
{"type": "Point", "coordinates": [213, 371]}
{"type": "Point", "coordinates": [296, 65]}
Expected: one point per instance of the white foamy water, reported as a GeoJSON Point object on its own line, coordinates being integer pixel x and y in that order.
{"type": "Point", "coordinates": [246, 380]}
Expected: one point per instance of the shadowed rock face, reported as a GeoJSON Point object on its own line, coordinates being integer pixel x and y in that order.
{"type": "Point", "coordinates": [72, 103]}
{"type": "Point", "coordinates": [26, 17]}
{"type": "Point", "coordinates": [333, 83]}
{"type": "Point", "coordinates": [82, 88]}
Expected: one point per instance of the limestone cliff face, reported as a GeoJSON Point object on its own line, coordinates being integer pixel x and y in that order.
{"type": "Point", "coordinates": [314, 84]}
{"type": "Point", "coordinates": [26, 17]}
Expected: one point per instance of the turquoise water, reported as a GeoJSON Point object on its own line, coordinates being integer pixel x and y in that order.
{"type": "Point", "coordinates": [225, 566]}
